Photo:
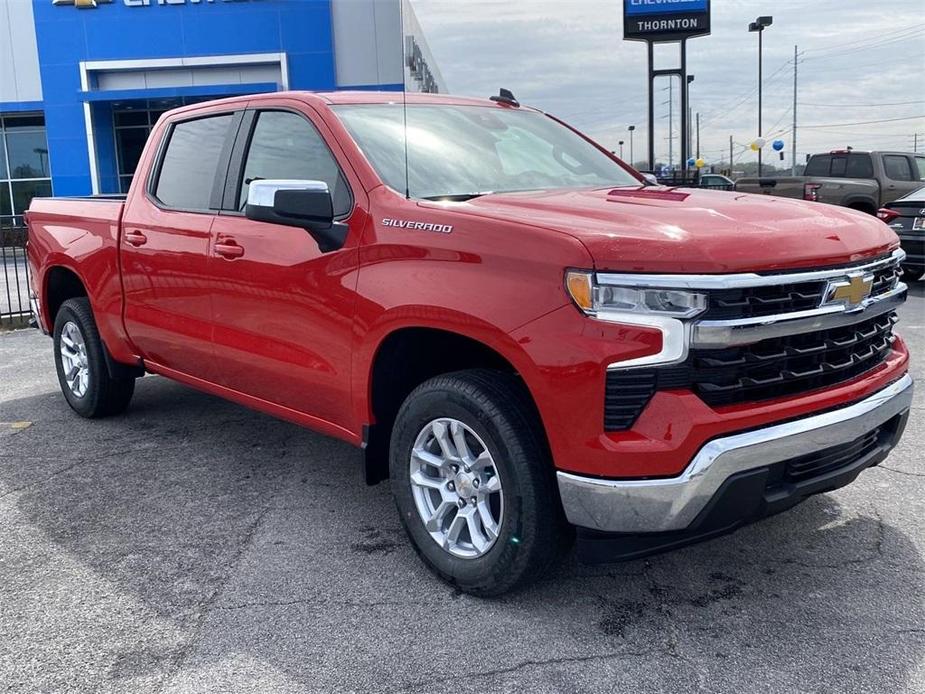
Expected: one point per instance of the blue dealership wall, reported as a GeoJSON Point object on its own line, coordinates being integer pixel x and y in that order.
{"type": "Point", "coordinates": [67, 35]}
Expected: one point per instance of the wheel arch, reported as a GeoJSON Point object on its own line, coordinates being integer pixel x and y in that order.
{"type": "Point", "coordinates": [862, 204]}
{"type": "Point", "coordinates": [406, 355]}
{"type": "Point", "coordinates": [59, 284]}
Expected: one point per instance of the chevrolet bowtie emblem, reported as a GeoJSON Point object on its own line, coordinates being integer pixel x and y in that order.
{"type": "Point", "coordinates": [85, 4]}
{"type": "Point", "coordinates": [851, 291]}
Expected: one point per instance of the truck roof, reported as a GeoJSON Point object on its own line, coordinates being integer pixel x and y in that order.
{"type": "Point", "coordinates": [354, 97]}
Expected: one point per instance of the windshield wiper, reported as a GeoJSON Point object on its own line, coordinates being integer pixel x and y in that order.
{"type": "Point", "coordinates": [457, 197]}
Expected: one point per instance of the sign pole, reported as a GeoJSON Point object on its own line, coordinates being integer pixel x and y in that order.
{"type": "Point", "coordinates": [651, 106]}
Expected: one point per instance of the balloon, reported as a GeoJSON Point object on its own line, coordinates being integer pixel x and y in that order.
{"type": "Point", "coordinates": [755, 146]}
{"type": "Point", "coordinates": [761, 142]}
{"type": "Point", "coordinates": [691, 162]}
{"type": "Point", "coordinates": [778, 145]}
{"type": "Point", "coordinates": [700, 163]}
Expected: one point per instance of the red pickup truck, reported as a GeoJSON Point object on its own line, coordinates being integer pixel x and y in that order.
{"type": "Point", "coordinates": [526, 338]}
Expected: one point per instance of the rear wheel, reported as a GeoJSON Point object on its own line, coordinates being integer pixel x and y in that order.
{"type": "Point", "coordinates": [913, 274]}
{"type": "Point", "coordinates": [474, 484]}
{"type": "Point", "coordinates": [80, 361]}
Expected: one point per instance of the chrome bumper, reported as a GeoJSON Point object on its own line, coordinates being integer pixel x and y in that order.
{"type": "Point", "coordinates": [658, 505]}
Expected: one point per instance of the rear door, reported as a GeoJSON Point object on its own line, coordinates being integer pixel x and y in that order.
{"type": "Point", "coordinates": [165, 243]}
{"type": "Point", "coordinates": [283, 310]}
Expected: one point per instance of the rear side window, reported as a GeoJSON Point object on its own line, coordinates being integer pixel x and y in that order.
{"type": "Point", "coordinates": [189, 164]}
{"type": "Point", "coordinates": [286, 146]}
{"type": "Point", "coordinates": [818, 165]}
{"type": "Point", "coordinates": [897, 167]}
{"type": "Point", "coordinates": [860, 166]}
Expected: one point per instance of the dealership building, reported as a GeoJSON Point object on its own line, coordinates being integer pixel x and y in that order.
{"type": "Point", "coordinates": [82, 82]}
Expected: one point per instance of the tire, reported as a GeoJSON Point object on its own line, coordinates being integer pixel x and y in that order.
{"type": "Point", "coordinates": [96, 394]}
{"type": "Point", "coordinates": [493, 411]}
{"type": "Point", "coordinates": [913, 274]}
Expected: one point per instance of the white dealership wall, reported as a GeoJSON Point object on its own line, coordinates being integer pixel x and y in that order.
{"type": "Point", "coordinates": [19, 55]}
{"type": "Point", "coordinates": [368, 45]}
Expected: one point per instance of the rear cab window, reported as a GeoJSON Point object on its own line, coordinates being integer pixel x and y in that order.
{"type": "Point", "coordinates": [819, 165]}
{"type": "Point", "coordinates": [187, 174]}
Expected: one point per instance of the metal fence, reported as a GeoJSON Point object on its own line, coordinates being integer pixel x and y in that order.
{"type": "Point", "coordinates": [14, 276]}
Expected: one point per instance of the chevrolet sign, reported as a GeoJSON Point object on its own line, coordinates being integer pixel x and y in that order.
{"type": "Point", "coordinates": [665, 20]}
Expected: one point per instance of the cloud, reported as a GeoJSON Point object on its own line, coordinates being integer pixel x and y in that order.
{"type": "Point", "coordinates": [569, 58]}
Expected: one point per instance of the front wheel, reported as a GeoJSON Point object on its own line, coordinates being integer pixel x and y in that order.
{"type": "Point", "coordinates": [474, 484]}
{"type": "Point", "coordinates": [81, 364]}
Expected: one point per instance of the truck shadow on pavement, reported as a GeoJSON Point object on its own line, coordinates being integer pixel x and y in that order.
{"type": "Point", "coordinates": [192, 545]}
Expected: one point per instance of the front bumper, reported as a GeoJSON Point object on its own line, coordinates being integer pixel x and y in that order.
{"type": "Point", "coordinates": [673, 504]}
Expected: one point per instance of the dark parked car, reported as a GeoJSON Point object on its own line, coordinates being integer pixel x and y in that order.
{"type": "Point", "coordinates": [716, 182]}
{"type": "Point", "coordinates": [906, 216]}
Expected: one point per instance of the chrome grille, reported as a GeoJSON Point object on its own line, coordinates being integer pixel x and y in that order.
{"type": "Point", "coordinates": [762, 337]}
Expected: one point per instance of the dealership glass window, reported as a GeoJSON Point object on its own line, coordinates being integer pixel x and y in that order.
{"type": "Point", "coordinates": [191, 161]}
{"type": "Point", "coordinates": [24, 166]}
{"type": "Point", "coordinates": [132, 122]}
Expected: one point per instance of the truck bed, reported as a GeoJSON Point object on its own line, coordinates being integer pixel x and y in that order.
{"type": "Point", "coordinates": [65, 233]}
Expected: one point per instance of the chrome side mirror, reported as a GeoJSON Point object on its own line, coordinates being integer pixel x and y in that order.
{"type": "Point", "coordinates": [304, 204]}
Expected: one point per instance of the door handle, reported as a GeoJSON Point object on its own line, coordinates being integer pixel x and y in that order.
{"type": "Point", "coordinates": [227, 248]}
{"type": "Point", "coordinates": [135, 238]}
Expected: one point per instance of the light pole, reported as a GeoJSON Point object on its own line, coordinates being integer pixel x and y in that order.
{"type": "Point", "coordinates": [759, 25]}
{"type": "Point", "coordinates": [687, 154]}
{"type": "Point", "coordinates": [621, 149]}
{"type": "Point", "coordinates": [631, 129]}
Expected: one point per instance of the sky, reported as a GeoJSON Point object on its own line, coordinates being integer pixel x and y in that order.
{"type": "Point", "coordinates": [858, 62]}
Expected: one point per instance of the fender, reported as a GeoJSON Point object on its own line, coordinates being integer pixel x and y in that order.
{"type": "Point", "coordinates": [366, 349]}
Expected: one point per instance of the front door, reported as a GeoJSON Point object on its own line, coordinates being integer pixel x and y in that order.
{"type": "Point", "coordinates": [282, 309]}
{"type": "Point", "coordinates": [165, 245]}
{"type": "Point", "coordinates": [902, 176]}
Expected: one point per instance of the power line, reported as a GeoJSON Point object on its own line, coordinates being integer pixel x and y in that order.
{"type": "Point", "coordinates": [886, 103]}
{"type": "Point", "coordinates": [867, 44]}
{"type": "Point", "coordinates": [862, 122]}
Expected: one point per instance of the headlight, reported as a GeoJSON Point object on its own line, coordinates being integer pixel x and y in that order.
{"type": "Point", "coordinates": [594, 298]}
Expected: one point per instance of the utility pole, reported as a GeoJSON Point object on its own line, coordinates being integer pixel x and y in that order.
{"type": "Point", "coordinates": [730, 156]}
{"type": "Point", "coordinates": [793, 165]}
{"type": "Point", "coordinates": [915, 141]}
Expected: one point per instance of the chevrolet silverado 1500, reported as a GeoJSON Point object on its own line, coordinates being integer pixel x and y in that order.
{"type": "Point", "coordinates": [526, 338]}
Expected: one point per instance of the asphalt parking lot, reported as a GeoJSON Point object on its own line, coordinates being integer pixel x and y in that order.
{"type": "Point", "coordinates": [195, 546]}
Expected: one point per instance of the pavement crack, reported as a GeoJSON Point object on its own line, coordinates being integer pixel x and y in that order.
{"type": "Point", "coordinates": [318, 603]}
{"type": "Point", "coordinates": [561, 660]}
{"type": "Point", "coordinates": [900, 472]}
{"type": "Point", "coordinates": [208, 604]}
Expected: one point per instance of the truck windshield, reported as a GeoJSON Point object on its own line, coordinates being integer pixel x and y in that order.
{"type": "Point", "coordinates": [459, 152]}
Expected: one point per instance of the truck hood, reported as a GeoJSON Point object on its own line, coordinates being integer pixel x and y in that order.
{"type": "Point", "coordinates": [657, 229]}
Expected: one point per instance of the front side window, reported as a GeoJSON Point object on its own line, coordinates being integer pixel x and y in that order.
{"type": "Point", "coordinates": [920, 167]}
{"type": "Point", "coordinates": [461, 151]}
{"type": "Point", "coordinates": [897, 167]}
{"type": "Point", "coordinates": [286, 146]}
{"type": "Point", "coordinates": [190, 162]}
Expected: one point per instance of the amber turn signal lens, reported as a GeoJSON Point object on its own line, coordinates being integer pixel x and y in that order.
{"type": "Point", "coordinates": [579, 287]}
